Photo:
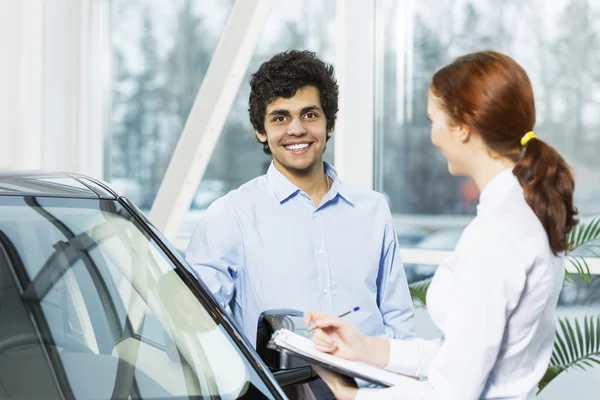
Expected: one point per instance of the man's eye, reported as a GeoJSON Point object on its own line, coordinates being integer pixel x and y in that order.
{"type": "Point", "coordinates": [310, 115]}
{"type": "Point", "coordinates": [279, 119]}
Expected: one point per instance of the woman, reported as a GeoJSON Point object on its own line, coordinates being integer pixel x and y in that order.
{"type": "Point", "coordinates": [494, 298]}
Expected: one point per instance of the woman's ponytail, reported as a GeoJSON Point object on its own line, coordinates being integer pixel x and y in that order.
{"type": "Point", "coordinates": [548, 184]}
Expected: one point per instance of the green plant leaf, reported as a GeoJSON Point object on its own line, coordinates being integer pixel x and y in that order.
{"type": "Point", "coordinates": [583, 270]}
{"type": "Point", "coordinates": [569, 277]}
{"type": "Point", "coordinates": [418, 290]}
{"type": "Point", "coordinates": [574, 347]}
{"type": "Point", "coordinates": [587, 326]}
{"type": "Point", "coordinates": [551, 373]}
{"type": "Point", "coordinates": [584, 233]}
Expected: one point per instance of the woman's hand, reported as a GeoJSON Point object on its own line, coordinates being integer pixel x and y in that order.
{"type": "Point", "coordinates": [341, 386]}
{"type": "Point", "coordinates": [335, 336]}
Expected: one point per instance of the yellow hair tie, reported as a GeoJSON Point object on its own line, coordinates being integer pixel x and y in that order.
{"type": "Point", "coordinates": [527, 137]}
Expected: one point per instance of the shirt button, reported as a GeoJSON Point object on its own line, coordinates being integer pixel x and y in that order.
{"type": "Point", "coordinates": [315, 216]}
{"type": "Point", "coordinates": [320, 251]}
{"type": "Point", "coordinates": [325, 291]}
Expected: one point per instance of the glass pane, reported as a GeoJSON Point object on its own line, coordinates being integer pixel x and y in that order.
{"type": "Point", "coordinates": [238, 157]}
{"type": "Point", "coordinates": [160, 55]}
{"type": "Point", "coordinates": [161, 51]}
{"type": "Point", "coordinates": [415, 38]}
{"type": "Point", "coordinates": [105, 309]}
{"type": "Point", "coordinates": [556, 42]}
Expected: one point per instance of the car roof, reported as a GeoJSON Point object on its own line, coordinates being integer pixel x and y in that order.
{"type": "Point", "coordinates": [53, 184]}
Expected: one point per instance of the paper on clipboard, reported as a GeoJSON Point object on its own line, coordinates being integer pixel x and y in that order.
{"type": "Point", "coordinates": [303, 347]}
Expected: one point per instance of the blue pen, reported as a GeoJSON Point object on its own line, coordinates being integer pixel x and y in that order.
{"type": "Point", "coordinates": [355, 309]}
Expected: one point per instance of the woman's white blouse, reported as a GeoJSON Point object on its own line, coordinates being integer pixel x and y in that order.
{"type": "Point", "coordinates": [494, 301]}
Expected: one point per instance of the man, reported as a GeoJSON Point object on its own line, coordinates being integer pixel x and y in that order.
{"type": "Point", "coordinates": [298, 237]}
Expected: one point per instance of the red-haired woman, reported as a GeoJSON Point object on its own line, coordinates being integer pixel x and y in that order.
{"type": "Point", "coordinates": [494, 298]}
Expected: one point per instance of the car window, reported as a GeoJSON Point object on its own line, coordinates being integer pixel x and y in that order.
{"type": "Point", "coordinates": [106, 310]}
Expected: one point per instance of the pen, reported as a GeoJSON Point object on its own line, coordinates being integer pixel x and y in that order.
{"type": "Point", "coordinates": [339, 316]}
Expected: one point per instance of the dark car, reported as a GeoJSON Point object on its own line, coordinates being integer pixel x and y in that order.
{"type": "Point", "coordinates": [96, 304]}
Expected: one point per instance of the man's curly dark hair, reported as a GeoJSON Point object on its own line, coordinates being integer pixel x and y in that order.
{"type": "Point", "coordinates": [282, 76]}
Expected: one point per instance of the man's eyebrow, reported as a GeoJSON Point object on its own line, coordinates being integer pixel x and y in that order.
{"type": "Point", "coordinates": [287, 112]}
{"type": "Point", "coordinates": [310, 108]}
{"type": "Point", "coordinates": [279, 112]}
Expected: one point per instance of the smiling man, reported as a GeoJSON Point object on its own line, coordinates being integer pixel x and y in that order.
{"type": "Point", "coordinates": [298, 237]}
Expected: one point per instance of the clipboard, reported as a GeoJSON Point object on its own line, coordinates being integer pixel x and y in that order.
{"type": "Point", "coordinates": [299, 346]}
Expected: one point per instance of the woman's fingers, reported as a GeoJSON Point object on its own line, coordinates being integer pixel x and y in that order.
{"type": "Point", "coordinates": [328, 321]}
{"type": "Point", "coordinates": [326, 349]}
{"type": "Point", "coordinates": [321, 337]}
{"type": "Point", "coordinates": [323, 342]}
{"type": "Point", "coordinates": [313, 316]}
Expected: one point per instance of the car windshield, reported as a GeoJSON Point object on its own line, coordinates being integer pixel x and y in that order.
{"type": "Point", "coordinates": [92, 308]}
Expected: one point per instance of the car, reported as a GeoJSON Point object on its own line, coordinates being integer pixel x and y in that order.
{"type": "Point", "coordinates": [95, 303]}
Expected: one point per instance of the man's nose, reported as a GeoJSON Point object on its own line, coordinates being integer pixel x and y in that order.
{"type": "Point", "coordinates": [296, 128]}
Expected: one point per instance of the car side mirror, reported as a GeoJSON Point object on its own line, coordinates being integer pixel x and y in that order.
{"type": "Point", "coordinates": [287, 369]}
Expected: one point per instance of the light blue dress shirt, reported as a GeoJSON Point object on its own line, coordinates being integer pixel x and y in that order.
{"type": "Point", "coordinates": [266, 246]}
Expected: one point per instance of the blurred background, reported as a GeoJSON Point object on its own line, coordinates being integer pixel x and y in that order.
{"type": "Point", "coordinates": [107, 87]}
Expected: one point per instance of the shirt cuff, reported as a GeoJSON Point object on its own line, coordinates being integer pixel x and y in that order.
{"type": "Point", "coordinates": [407, 357]}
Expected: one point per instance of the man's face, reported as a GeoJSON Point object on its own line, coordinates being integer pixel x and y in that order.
{"type": "Point", "coordinates": [296, 131]}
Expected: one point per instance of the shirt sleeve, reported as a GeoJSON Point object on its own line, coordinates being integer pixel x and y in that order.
{"type": "Point", "coordinates": [393, 296]}
{"type": "Point", "coordinates": [214, 251]}
{"type": "Point", "coordinates": [412, 357]}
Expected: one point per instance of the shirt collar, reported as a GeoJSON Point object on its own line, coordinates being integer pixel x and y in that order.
{"type": "Point", "coordinates": [284, 189]}
{"type": "Point", "coordinates": [337, 187]}
{"type": "Point", "coordinates": [494, 192]}
{"type": "Point", "coordinates": [281, 185]}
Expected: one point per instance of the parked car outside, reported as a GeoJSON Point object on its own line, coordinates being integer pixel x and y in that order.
{"type": "Point", "coordinates": [96, 304]}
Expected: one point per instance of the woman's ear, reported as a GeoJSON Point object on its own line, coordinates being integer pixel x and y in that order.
{"type": "Point", "coordinates": [463, 133]}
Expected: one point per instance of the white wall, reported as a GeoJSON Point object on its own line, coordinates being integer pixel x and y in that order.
{"type": "Point", "coordinates": [52, 113]}
{"type": "Point", "coordinates": [20, 83]}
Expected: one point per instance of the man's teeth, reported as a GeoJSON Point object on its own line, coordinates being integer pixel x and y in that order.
{"type": "Point", "coordinates": [297, 146]}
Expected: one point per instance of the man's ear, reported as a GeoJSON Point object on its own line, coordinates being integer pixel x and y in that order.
{"type": "Point", "coordinates": [262, 137]}
{"type": "Point", "coordinates": [329, 133]}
